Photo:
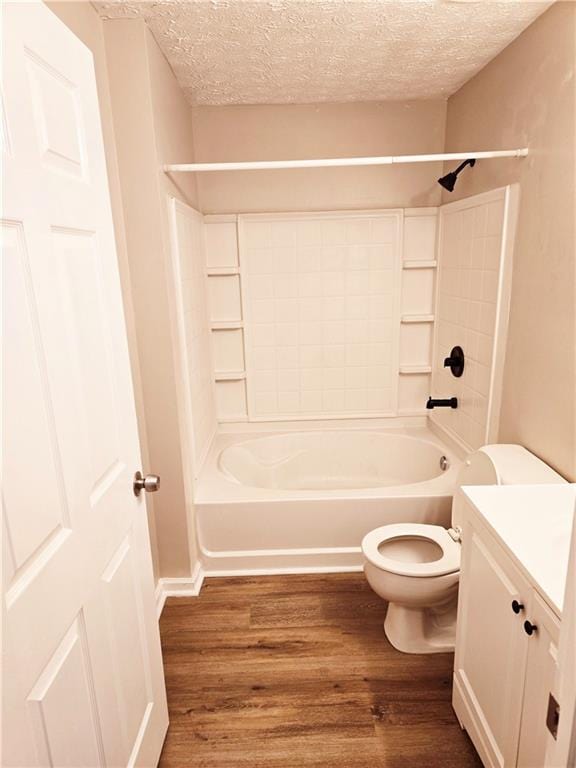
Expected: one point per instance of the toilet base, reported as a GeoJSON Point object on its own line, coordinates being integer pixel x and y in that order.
{"type": "Point", "coordinates": [422, 630]}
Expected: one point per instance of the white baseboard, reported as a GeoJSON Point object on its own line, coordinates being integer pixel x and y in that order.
{"type": "Point", "coordinates": [182, 587]}
{"type": "Point", "coordinates": [259, 563]}
{"type": "Point", "coordinates": [267, 562]}
{"type": "Point", "coordinates": [288, 571]}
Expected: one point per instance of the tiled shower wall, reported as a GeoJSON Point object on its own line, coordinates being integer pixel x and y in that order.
{"type": "Point", "coordinates": [472, 307]}
{"type": "Point", "coordinates": [321, 315]}
{"type": "Point", "coordinates": [321, 301]}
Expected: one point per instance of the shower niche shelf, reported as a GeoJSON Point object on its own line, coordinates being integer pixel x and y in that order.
{"type": "Point", "coordinates": [413, 370]}
{"type": "Point", "coordinates": [222, 271]}
{"type": "Point", "coordinates": [416, 345]}
{"type": "Point", "coordinates": [417, 318]}
{"type": "Point", "coordinates": [224, 295]}
{"type": "Point", "coordinates": [226, 325]}
{"type": "Point", "coordinates": [231, 401]}
{"type": "Point", "coordinates": [230, 375]}
{"type": "Point", "coordinates": [419, 264]}
{"type": "Point", "coordinates": [221, 242]}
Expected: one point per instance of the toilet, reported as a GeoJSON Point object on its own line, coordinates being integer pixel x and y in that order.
{"type": "Point", "coordinates": [416, 567]}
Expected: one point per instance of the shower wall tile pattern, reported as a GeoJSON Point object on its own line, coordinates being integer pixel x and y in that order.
{"type": "Point", "coordinates": [321, 303]}
{"type": "Point", "coordinates": [469, 274]}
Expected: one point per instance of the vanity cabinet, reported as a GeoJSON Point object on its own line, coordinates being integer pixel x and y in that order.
{"type": "Point", "coordinates": [505, 655]}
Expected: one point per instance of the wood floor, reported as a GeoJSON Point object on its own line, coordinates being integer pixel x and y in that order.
{"type": "Point", "coordinates": [295, 672]}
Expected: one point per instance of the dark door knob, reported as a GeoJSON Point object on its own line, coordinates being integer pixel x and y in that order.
{"type": "Point", "coordinates": [529, 628]}
{"type": "Point", "coordinates": [517, 607]}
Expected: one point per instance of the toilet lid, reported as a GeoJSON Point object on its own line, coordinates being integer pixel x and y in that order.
{"type": "Point", "coordinates": [448, 562]}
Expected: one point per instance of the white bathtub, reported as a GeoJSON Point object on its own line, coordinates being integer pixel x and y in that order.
{"type": "Point", "coordinates": [302, 501]}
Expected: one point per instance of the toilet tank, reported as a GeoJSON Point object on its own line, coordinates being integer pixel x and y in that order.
{"type": "Point", "coordinates": [500, 465]}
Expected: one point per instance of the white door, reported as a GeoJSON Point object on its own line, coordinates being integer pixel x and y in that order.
{"type": "Point", "coordinates": [83, 682]}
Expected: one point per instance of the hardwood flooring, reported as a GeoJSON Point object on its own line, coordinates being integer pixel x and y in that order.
{"type": "Point", "coordinates": [296, 672]}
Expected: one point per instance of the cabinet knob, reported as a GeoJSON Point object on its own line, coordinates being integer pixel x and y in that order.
{"type": "Point", "coordinates": [517, 607]}
{"type": "Point", "coordinates": [529, 628]}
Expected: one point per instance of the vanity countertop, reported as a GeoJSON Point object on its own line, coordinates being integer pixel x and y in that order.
{"type": "Point", "coordinates": [534, 523]}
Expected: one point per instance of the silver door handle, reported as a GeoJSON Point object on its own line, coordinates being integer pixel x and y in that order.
{"type": "Point", "coordinates": [149, 483]}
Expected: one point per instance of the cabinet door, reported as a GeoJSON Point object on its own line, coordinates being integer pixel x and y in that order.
{"type": "Point", "coordinates": [490, 649]}
{"type": "Point", "coordinates": [540, 673]}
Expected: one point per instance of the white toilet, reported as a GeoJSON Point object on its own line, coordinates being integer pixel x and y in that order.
{"type": "Point", "coordinates": [416, 567]}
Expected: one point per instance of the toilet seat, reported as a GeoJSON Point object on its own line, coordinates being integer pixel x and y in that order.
{"type": "Point", "coordinates": [449, 562]}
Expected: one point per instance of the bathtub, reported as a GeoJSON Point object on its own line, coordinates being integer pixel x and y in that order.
{"type": "Point", "coordinates": [301, 501]}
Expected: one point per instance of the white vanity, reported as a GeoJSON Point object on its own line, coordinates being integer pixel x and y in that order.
{"type": "Point", "coordinates": [515, 550]}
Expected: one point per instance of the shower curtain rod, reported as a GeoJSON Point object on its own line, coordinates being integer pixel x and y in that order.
{"type": "Point", "coordinates": [266, 165]}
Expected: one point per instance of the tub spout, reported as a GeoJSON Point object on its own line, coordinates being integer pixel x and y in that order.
{"type": "Point", "coordinates": [450, 402]}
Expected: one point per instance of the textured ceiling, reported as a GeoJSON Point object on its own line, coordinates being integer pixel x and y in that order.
{"type": "Point", "coordinates": [302, 51]}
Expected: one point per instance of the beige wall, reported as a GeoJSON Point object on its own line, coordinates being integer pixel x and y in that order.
{"type": "Point", "coordinates": [82, 19]}
{"type": "Point", "coordinates": [319, 130]}
{"type": "Point", "coordinates": [172, 124]}
{"type": "Point", "coordinates": [526, 97]}
{"type": "Point", "coordinates": [153, 126]}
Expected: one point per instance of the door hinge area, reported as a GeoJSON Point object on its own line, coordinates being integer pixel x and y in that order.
{"type": "Point", "coordinates": [553, 716]}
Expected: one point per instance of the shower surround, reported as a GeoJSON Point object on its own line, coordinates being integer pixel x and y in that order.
{"type": "Point", "coordinates": [326, 332]}
{"type": "Point", "coordinates": [321, 315]}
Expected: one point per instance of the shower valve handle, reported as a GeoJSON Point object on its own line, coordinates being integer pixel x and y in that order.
{"type": "Point", "coordinates": [455, 362]}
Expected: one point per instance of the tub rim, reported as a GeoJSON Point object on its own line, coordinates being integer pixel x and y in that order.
{"type": "Point", "coordinates": [214, 486]}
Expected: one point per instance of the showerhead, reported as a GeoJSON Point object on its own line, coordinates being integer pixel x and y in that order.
{"type": "Point", "coordinates": [449, 181]}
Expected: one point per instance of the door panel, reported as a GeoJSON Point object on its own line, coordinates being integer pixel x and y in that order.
{"type": "Point", "coordinates": [85, 314]}
{"type": "Point", "coordinates": [119, 595]}
{"type": "Point", "coordinates": [62, 705]}
{"type": "Point", "coordinates": [35, 511]}
{"type": "Point", "coordinates": [84, 683]}
{"type": "Point", "coordinates": [57, 116]}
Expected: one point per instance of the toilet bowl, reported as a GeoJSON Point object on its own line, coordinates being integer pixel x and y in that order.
{"type": "Point", "coordinates": [416, 567]}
